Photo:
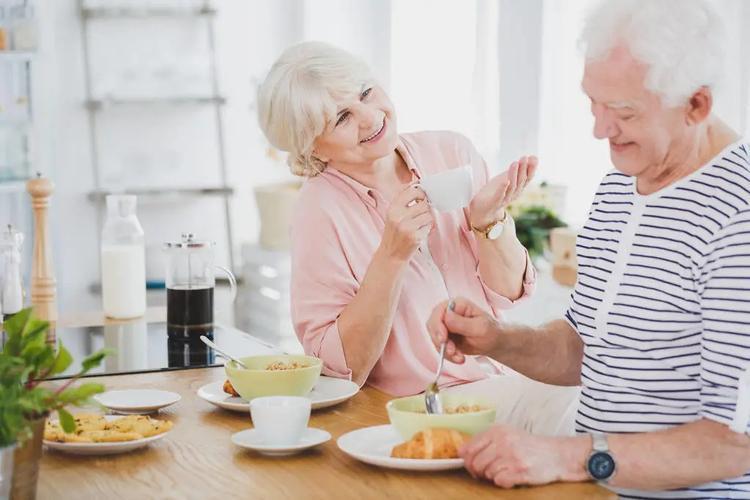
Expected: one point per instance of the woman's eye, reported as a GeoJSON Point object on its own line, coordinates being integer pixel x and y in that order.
{"type": "Point", "coordinates": [342, 118]}
{"type": "Point", "coordinates": [366, 93]}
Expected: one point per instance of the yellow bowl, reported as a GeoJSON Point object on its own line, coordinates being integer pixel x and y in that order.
{"type": "Point", "coordinates": [408, 415]}
{"type": "Point", "coordinates": [257, 381]}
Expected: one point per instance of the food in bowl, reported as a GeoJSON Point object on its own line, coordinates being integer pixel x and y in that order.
{"type": "Point", "coordinates": [299, 375]}
{"type": "Point", "coordinates": [458, 409]}
{"type": "Point", "coordinates": [470, 414]}
{"type": "Point", "coordinates": [280, 365]}
{"type": "Point", "coordinates": [92, 428]}
{"type": "Point", "coordinates": [431, 444]}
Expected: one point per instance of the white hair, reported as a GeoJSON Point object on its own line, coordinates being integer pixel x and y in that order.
{"type": "Point", "coordinates": [681, 42]}
{"type": "Point", "coordinates": [300, 96]}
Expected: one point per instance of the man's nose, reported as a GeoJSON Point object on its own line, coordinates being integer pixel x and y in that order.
{"type": "Point", "coordinates": [604, 124]}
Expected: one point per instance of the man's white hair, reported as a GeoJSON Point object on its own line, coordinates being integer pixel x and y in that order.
{"type": "Point", "coordinates": [681, 42]}
{"type": "Point", "coordinates": [300, 96]}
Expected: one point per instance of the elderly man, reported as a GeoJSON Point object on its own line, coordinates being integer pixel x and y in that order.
{"type": "Point", "coordinates": [658, 327]}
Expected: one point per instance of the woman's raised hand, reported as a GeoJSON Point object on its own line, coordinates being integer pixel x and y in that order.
{"type": "Point", "coordinates": [489, 203]}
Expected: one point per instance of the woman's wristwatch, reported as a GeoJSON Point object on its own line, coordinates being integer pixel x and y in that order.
{"type": "Point", "coordinates": [494, 230]}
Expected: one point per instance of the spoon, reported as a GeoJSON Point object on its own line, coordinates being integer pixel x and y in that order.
{"type": "Point", "coordinates": [432, 392]}
{"type": "Point", "coordinates": [222, 353]}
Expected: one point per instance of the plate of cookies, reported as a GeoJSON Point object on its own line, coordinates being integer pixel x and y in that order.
{"type": "Point", "coordinates": [382, 445]}
{"type": "Point", "coordinates": [105, 434]}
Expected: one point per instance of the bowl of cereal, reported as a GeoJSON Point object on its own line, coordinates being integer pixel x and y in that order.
{"type": "Point", "coordinates": [462, 412]}
{"type": "Point", "coordinates": [274, 375]}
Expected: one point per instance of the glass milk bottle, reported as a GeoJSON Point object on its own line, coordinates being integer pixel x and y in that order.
{"type": "Point", "coordinates": [123, 257]}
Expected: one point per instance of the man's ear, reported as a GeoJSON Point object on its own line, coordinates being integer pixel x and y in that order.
{"type": "Point", "coordinates": [699, 106]}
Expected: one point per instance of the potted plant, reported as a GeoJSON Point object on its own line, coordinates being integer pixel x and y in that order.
{"type": "Point", "coordinates": [26, 400]}
{"type": "Point", "coordinates": [533, 224]}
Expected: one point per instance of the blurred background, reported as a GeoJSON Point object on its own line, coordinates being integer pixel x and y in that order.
{"type": "Point", "coordinates": [157, 98]}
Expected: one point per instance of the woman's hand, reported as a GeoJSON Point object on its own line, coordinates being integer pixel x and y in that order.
{"type": "Point", "coordinates": [489, 203]}
{"type": "Point", "coordinates": [407, 223]}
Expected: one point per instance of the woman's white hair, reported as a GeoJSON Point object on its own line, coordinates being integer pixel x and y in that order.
{"type": "Point", "coordinates": [299, 97]}
{"type": "Point", "coordinates": [681, 41]}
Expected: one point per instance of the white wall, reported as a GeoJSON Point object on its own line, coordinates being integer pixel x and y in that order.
{"type": "Point", "coordinates": [249, 36]}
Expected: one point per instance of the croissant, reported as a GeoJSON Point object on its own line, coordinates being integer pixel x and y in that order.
{"type": "Point", "coordinates": [431, 443]}
{"type": "Point", "coordinates": [229, 389]}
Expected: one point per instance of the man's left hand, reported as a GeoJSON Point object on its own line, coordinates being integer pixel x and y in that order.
{"type": "Point", "coordinates": [510, 457]}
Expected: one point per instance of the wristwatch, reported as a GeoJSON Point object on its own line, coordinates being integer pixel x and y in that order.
{"type": "Point", "coordinates": [494, 230]}
{"type": "Point", "coordinates": [601, 464]}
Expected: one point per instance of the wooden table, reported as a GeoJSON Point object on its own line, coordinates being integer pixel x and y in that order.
{"type": "Point", "coordinates": [197, 459]}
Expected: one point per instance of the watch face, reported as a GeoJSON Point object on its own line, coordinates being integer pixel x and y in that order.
{"type": "Point", "coordinates": [496, 231]}
{"type": "Point", "coordinates": [601, 466]}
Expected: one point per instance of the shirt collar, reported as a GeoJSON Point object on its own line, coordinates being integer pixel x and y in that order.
{"type": "Point", "coordinates": [367, 193]}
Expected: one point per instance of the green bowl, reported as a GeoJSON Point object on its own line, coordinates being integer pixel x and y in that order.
{"type": "Point", "coordinates": [256, 381]}
{"type": "Point", "coordinates": [408, 415]}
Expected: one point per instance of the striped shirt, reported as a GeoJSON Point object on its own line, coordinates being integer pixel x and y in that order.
{"type": "Point", "coordinates": [662, 305]}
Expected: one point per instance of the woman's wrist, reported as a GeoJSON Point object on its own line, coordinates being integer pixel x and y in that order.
{"type": "Point", "coordinates": [389, 261]}
{"type": "Point", "coordinates": [482, 222]}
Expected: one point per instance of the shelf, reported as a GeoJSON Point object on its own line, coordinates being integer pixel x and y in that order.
{"type": "Point", "coordinates": [99, 104]}
{"type": "Point", "coordinates": [100, 195]}
{"type": "Point", "coordinates": [16, 55]}
{"type": "Point", "coordinates": [145, 13]}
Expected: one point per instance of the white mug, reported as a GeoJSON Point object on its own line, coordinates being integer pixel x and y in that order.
{"type": "Point", "coordinates": [449, 190]}
{"type": "Point", "coordinates": [280, 420]}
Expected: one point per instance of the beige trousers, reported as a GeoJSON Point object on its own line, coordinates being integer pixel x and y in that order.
{"type": "Point", "coordinates": [538, 408]}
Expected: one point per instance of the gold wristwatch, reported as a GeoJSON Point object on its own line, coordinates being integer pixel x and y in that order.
{"type": "Point", "coordinates": [494, 230]}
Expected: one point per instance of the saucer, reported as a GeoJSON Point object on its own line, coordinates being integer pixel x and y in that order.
{"type": "Point", "coordinates": [327, 392]}
{"type": "Point", "coordinates": [251, 440]}
{"type": "Point", "coordinates": [137, 400]}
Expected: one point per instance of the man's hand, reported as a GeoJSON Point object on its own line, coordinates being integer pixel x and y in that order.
{"type": "Point", "coordinates": [472, 330]}
{"type": "Point", "coordinates": [510, 457]}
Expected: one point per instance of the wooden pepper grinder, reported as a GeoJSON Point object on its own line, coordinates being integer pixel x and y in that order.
{"type": "Point", "coordinates": [43, 283]}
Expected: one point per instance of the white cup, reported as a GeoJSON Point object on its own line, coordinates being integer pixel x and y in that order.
{"type": "Point", "coordinates": [449, 190]}
{"type": "Point", "coordinates": [280, 420]}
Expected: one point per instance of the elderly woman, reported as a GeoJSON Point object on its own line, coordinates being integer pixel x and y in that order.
{"type": "Point", "coordinates": [658, 329]}
{"type": "Point", "coordinates": [370, 257]}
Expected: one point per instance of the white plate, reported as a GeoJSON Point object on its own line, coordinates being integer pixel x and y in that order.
{"type": "Point", "coordinates": [251, 439]}
{"type": "Point", "coordinates": [137, 400]}
{"type": "Point", "coordinates": [102, 448]}
{"type": "Point", "coordinates": [328, 391]}
{"type": "Point", "coordinates": [373, 445]}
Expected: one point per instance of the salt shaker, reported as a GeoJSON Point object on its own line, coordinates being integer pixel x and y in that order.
{"type": "Point", "coordinates": [12, 290]}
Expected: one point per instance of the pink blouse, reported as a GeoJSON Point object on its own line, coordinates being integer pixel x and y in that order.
{"type": "Point", "coordinates": [338, 225]}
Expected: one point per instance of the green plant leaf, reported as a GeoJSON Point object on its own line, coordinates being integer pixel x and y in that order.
{"type": "Point", "coordinates": [80, 394]}
{"type": "Point", "coordinates": [35, 331]}
{"type": "Point", "coordinates": [93, 360]}
{"type": "Point", "coordinates": [16, 323]}
{"type": "Point", "coordinates": [67, 422]}
{"type": "Point", "coordinates": [62, 361]}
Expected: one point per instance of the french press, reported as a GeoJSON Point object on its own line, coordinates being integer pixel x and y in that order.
{"type": "Point", "coordinates": [190, 282]}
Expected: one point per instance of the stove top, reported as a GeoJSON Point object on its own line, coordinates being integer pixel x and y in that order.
{"type": "Point", "coordinates": [146, 347]}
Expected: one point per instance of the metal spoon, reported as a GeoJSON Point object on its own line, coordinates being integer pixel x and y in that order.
{"type": "Point", "coordinates": [432, 392]}
{"type": "Point", "coordinates": [222, 353]}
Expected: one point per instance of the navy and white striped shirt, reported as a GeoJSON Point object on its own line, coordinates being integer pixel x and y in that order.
{"type": "Point", "coordinates": [662, 304]}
